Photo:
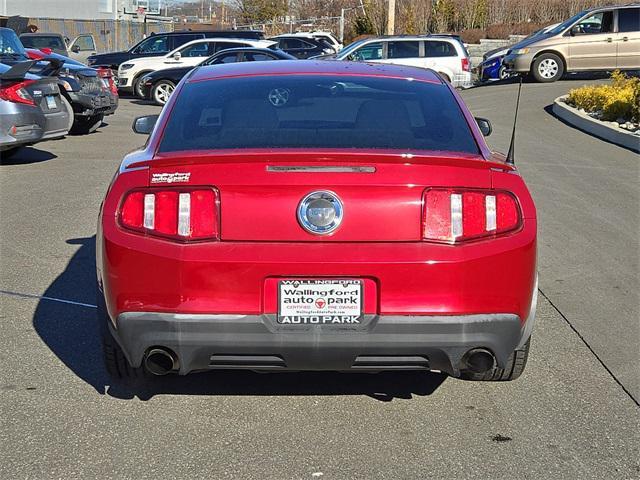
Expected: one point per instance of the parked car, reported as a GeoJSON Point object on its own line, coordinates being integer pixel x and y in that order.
{"type": "Point", "coordinates": [598, 39]}
{"type": "Point", "coordinates": [159, 85]}
{"type": "Point", "coordinates": [328, 37]}
{"type": "Point", "coordinates": [444, 54]}
{"type": "Point", "coordinates": [31, 108]}
{"type": "Point", "coordinates": [40, 53]}
{"type": "Point", "coordinates": [492, 67]}
{"type": "Point", "coordinates": [303, 45]}
{"type": "Point", "coordinates": [104, 73]}
{"type": "Point", "coordinates": [90, 93]}
{"type": "Point", "coordinates": [162, 43]}
{"type": "Point", "coordinates": [187, 55]}
{"type": "Point", "coordinates": [79, 49]}
{"type": "Point", "coordinates": [316, 216]}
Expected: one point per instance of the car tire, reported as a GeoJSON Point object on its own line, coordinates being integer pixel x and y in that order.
{"type": "Point", "coordinates": [547, 68]}
{"type": "Point", "coordinates": [69, 108]}
{"type": "Point", "coordinates": [137, 86]}
{"type": "Point", "coordinates": [503, 74]}
{"type": "Point", "coordinates": [85, 125]}
{"type": "Point", "coordinates": [161, 91]}
{"type": "Point", "coordinates": [115, 361]}
{"type": "Point", "coordinates": [513, 369]}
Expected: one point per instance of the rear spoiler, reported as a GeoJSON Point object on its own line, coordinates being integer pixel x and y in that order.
{"type": "Point", "coordinates": [20, 70]}
{"type": "Point", "coordinates": [55, 65]}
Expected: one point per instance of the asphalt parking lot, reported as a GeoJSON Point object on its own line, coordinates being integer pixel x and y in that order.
{"type": "Point", "coordinates": [573, 414]}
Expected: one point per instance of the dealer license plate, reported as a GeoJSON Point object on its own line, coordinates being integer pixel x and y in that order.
{"type": "Point", "coordinates": [320, 302]}
{"type": "Point", "coordinates": [51, 102]}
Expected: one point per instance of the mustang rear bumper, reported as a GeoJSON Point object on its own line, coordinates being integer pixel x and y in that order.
{"type": "Point", "coordinates": [257, 342]}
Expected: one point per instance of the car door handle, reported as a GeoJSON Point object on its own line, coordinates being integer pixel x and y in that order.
{"type": "Point", "coordinates": [609, 40]}
{"type": "Point", "coordinates": [625, 39]}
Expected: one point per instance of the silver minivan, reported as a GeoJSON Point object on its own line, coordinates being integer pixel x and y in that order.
{"type": "Point", "coordinates": [599, 39]}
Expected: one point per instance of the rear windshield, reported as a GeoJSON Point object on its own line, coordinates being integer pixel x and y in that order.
{"type": "Point", "coordinates": [43, 42]}
{"type": "Point", "coordinates": [308, 111]}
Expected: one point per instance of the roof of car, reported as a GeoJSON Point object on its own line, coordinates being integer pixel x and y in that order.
{"type": "Point", "coordinates": [229, 40]}
{"type": "Point", "coordinates": [41, 35]}
{"type": "Point", "coordinates": [273, 51]}
{"type": "Point", "coordinates": [426, 36]}
{"type": "Point", "coordinates": [310, 67]}
{"type": "Point", "coordinates": [179, 32]}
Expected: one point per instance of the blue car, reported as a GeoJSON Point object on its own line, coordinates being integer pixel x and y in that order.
{"type": "Point", "coordinates": [491, 67]}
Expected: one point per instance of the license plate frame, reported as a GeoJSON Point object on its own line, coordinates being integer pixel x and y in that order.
{"type": "Point", "coordinates": [343, 301]}
{"type": "Point", "coordinates": [51, 102]}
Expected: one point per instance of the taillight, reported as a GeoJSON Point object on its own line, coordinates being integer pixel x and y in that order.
{"type": "Point", "coordinates": [107, 78]}
{"type": "Point", "coordinates": [178, 213]}
{"type": "Point", "coordinates": [17, 93]}
{"type": "Point", "coordinates": [457, 215]}
{"type": "Point", "coordinates": [466, 65]}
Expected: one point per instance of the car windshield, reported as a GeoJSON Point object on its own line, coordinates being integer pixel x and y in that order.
{"type": "Point", "coordinates": [310, 111]}
{"type": "Point", "coordinates": [344, 53]}
{"type": "Point", "coordinates": [41, 41]}
{"type": "Point", "coordinates": [10, 43]}
{"type": "Point", "coordinates": [567, 23]}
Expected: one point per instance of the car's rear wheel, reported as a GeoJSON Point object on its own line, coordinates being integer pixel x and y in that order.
{"type": "Point", "coordinates": [513, 369]}
{"type": "Point", "coordinates": [69, 109]}
{"type": "Point", "coordinates": [547, 68]}
{"type": "Point", "coordinates": [115, 362]}
{"type": "Point", "coordinates": [162, 91]}
{"type": "Point", "coordinates": [85, 125]}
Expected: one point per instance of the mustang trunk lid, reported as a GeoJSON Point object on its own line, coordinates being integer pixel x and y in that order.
{"type": "Point", "coordinates": [381, 193]}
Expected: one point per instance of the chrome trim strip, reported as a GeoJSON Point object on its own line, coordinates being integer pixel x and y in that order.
{"type": "Point", "coordinates": [322, 168]}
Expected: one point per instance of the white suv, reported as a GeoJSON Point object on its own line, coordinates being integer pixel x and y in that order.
{"type": "Point", "coordinates": [188, 55]}
{"type": "Point", "coordinates": [445, 55]}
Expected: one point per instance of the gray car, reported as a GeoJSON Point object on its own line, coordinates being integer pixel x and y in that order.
{"type": "Point", "coordinates": [31, 108]}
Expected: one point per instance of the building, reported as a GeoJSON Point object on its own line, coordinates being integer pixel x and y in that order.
{"type": "Point", "coordinates": [79, 9]}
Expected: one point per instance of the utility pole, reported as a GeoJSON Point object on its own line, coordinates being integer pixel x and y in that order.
{"type": "Point", "coordinates": [391, 18]}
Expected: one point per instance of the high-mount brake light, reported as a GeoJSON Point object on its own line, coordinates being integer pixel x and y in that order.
{"type": "Point", "coordinates": [179, 213]}
{"type": "Point", "coordinates": [458, 215]}
{"type": "Point", "coordinates": [17, 93]}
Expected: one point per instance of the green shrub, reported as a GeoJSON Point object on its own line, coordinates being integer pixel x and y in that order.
{"type": "Point", "coordinates": [619, 99]}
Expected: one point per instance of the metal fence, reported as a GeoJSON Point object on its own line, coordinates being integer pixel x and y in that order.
{"type": "Point", "coordinates": [110, 35]}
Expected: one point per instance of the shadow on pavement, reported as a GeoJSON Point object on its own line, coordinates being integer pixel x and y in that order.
{"type": "Point", "coordinates": [577, 76]}
{"type": "Point", "coordinates": [25, 156]}
{"type": "Point", "coordinates": [72, 333]}
{"type": "Point", "coordinates": [139, 101]}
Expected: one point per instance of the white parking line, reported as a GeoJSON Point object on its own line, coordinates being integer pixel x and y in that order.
{"type": "Point", "coordinates": [42, 297]}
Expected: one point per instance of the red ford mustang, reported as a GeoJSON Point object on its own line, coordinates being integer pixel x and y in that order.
{"type": "Point", "coordinates": [316, 216]}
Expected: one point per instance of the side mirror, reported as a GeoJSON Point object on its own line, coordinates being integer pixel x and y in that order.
{"type": "Point", "coordinates": [144, 124]}
{"type": "Point", "coordinates": [75, 49]}
{"type": "Point", "coordinates": [177, 56]}
{"type": "Point", "coordinates": [575, 30]}
{"type": "Point", "coordinates": [485, 126]}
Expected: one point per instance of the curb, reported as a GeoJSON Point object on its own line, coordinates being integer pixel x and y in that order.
{"type": "Point", "coordinates": [595, 127]}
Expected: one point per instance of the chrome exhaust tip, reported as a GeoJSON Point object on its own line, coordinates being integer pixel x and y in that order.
{"type": "Point", "coordinates": [479, 360]}
{"type": "Point", "coordinates": [160, 361]}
